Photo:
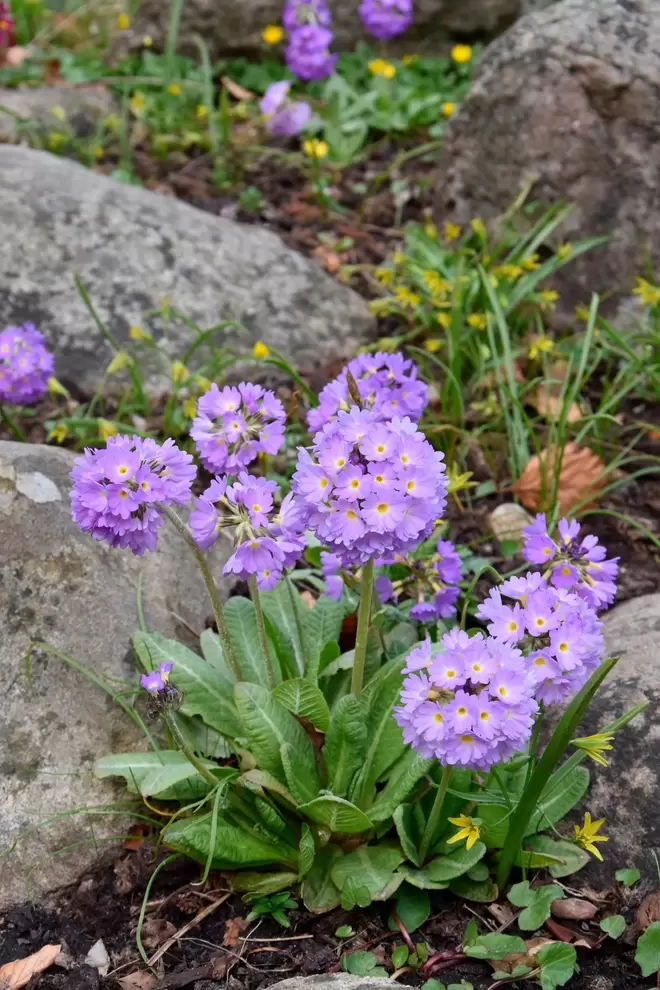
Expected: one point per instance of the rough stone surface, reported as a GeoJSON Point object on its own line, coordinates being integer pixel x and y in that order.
{"type": "Point", "coordinates": [60, 586]}
{"type": "Point", "coordinates": [627, 793]}
{"type": "Point", "coordinates": [229, 27]}
{"type": "Point", "coordinates": [85, 107]}
{"type": "Point", "coordinates": [568, 99]}
{"type": "Point", "coordinates": [332, 981]}
{"type": "Point", "coordinates": [131, 248]}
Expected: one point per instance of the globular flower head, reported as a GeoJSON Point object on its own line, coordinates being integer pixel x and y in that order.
{"type": "Point", "coordinates": [388, 387]}
{"type": "Point", "coordinates": [308, 53]}
{"type": "Point", "coordinates": [386, 19]}
{"type": "Point", "coordinates": [235, 424]}
{"type": "Point", "coordinates": [117, 491]}
{"type": "Point", "coordinates": [25, 364]}
{"type": "Point", "coordinates": [299, 13]}
{"type": "Point", "coordinates": [284, 118]}
{"type": "Point", "coordinates": [386, 518]}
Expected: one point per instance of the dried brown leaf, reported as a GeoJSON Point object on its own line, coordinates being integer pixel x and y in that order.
{"type": "Point", "coordinates": [502, 913]}
{"type": "Point", "coordinates": [234, 928]}
{"type": "Point", "coordinates": [19, 972]}
{"type": "Point", "coordinates": [581, 477]}
{"type": "Point", "coordinates": [647, 912]}
{"type": "Point", "coordinates": [547, 401]}
{"type": "Point", "coordinates": [155, 931]}
{"type": "Point", "coordinates": [574, 909]}
{"type": "Point", "coordinates": [237, 91]}
{"type": "Point", "coordinates": [137, 981]}
{"type": "Point", "coordinates": [16, 55]}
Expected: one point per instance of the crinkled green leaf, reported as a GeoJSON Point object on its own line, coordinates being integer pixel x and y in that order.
{"type": "Point", "coordinates": [563, 791]}
{"type": "Point", "coordinates": [372, 867]}
{"type": "Point", "coordinates": [241, 619]}
{"type": "Point", "coordinates": [495, 946]}
{"type": "Point", "coordinates": [322, 625]}
{"type": "Point", "coordinates": [403, 777]}
{"type": "Point", "coordinates": [319, 893]}
{"type": "Point", "coordinates": [306, 850]}
{"type": "Point", "coordinates": [234, 847]}
{"type": "Point", "coordinates": [482, 892]}
{"type": "Point", "coordinates": [167, 775]}
{"type": "Point", "coordinates": [494, 824]}
{"type": "Point", "coordinates": [281, 608]}
{"type": "Point", "coordinates": [345, 744]}
{"type": "Point", "coordinates": [305, 699]}
{"type": "Point", "coordinates": [262, 884]}
{"type": "Point", "coordinates": [560, 856]}
{"type": "Point", "coordinates": [303, 785]}
{"type": "Point", "coordinates": [412, 906]}
{"type": "Point", "coordinates": [384, 738]}
{"type": "Point", "coordinates": [337, 813]}
{"type": "Point", "coordinates": [406, 828]}
{"type": "Point", "coordinates": [420, 878]}
{"type": "Point", "coordinates": [444, 868]}
{"type": "Point", "coordinates": [267, 724]}
{"type": "Point", "coordinates": [213, 653]}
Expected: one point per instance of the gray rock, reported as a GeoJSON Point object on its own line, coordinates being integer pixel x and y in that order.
{"type": "Point", "coordinates": [235, 28]}
{"type": "Point", "coordinates": [332, 981]}
{"type": "Point", "coordinates": [131, 248]}
{"type": "Point", "coordinates": [85, 108]}
{"type": "Point", "coordinates": [59, 586]}
{"type": "Point", "coordinates": [567, 101]}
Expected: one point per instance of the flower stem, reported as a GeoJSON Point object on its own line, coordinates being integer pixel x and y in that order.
{"type": "Point", "coordinates": [431, 827]}
{"type": "Point", "coordinates": [261, 628]}
{"type": "Point", "coordinates": [216, 604]}
{"type": "Point", "coordinates": [293, 598]}
{"type": "Point", "coordinates": [364, 615]}
{"type": "Point", "coordinates": [15, 431]}
{"type": "Point", "coordinates": [187, 752]}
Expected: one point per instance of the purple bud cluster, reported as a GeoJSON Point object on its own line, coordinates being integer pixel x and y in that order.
{"type": "Point", "coordinates": [573, 563]}
{"type": "Point", "coordinates": [386, 19]}
{"type": "Point", "coordinates": [266, 541]}
{"type": "Point", "coordinates": [368, 487]}
{"type": "Point", "coordinates": [308, 54]}
{"type": "Point", "coordinates": [235, 424]}
{"type": "Point", "coordinates": [117, 491]}
{"type": "Point", "coordinates": [439, 575]}
{"type": "Point", "coordinates": [25, 365]}
{"type": "Point", "coordinates": [388, 386]}
{"type": "Point", "coordinates": [284, 118]}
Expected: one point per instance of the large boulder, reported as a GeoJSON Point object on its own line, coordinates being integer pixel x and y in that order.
{"type": "Point", "coordinates": [231, 28]}
{"type": "Point", "coordinates": [59, 586]}
{"type": "Point", "coordinates": [84, 106]}
{"type": "Point", "coordinates": [566, 102]}
{"type": "Point", "coordinates": [131, 248]}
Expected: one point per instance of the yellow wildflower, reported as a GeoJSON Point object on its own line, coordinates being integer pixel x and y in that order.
{"type": "Point", "coordinates": [106, 429]}
{"type": "Point", "coordinates": [147, 41]}
{"type": "Point", "coordinates": [488, 408]}
{"type": "Point", "coordinates": [260, 350]}
{"type": "Point", "coordinates": [430, 230]}
{"type": "Point", "coordinates": [564, 251]}
{"type": "Point", "coordinates": [582, 313]}
{"type": "Point", "coordinates": [98, 151]}
{"type": "Point", "coordinates": [458, 480]}
{"type": "Point", "coordinates": [452, 231]}
{"type": "Point", "coordinates": [56, 388]}
{"type": "Point", "coordinates": [202, 111]}
{"type": "Point", "coordinates": [648, 294]}
{"type": "Point", "coordinates": [409, 59]}
{"type": "Point", "coordinates": [55, 140]}
{"type": "Point", "coordinates": [436, 284]}
{"type": "Point", "coordinates": [137, 333]}
{"type": "Point", "coordinates": [531, 263]}
{"type": "Point", "coordinates": [190, 408]}
{"type": "Point", "coordinates": [406, 297]}
{"type": "Point", "coordinates": [272, 34]}
{"type": "Point", "coordinates": [112, 121]}
{"type": "Point", "coordinates": [203, 383]}
{"type": "Point", "coordinates": [179, 372]}
{"type": "Point", "coordinates": [174, 89]}
{"type": "Point", "coordinates": [384, 275]}
{"type": "Point", "coordinates": [478, 226]}
{"type": "Point", "coordinates": [123, 21]}
{"type": "Point", "coordinates": [433, 344]}
{"type": "Point", "coordinates": [478, 321]}
{"type": "Point", "coordinates": [379, 67]}
{"type": "Point", "coordinates": [444, 319]}
{"type": "Point", "coordinates": [137, 103]}
{"type": "Point", "coordinates": [542, 345]}
{"type": "Point", "coordinates": [59, 433]}
{"type": "Point", "coordinates": [468, 829]}
{"type": "Point", "coordinates": [461, 53]}
{"type": "Point", "coordinates": [58, 112]}
{"type": "Point", "coordinates": [594, 746]}
{"type": "Point", "coordinates": [548, 298]}
{"type": "Point", "coordinates": [314, 148]}
{"type": "Point", "coordinates": [508, 271]}
{"type": "Point", "coordinates": [448, 108]}
{"type": "Point", "coordinates": [120, 361]}
{"type": "Point", "coordinates": [379, 307]}
{"type": "Point", "coordinates": [586, 835]}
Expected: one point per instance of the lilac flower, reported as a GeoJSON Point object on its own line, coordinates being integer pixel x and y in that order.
{"type": "Point", "coordinates": [386, 19]}
{"type": "Point", "coordinates": [153, 682]}
{"type": "Point", "coordinates": [387, 520]}
{"type": "Point", "coordinates": [384, 588]}
{"type": "Point", "coordinates": [25, 363]}
{"type": "Point", "coordinates": [388, 386]}
{"type": "Point", "coordinates": [298, 13]}
{"type": "Point", "coordinates": [448, 563]}
{"type": "Point", "coordinates": [117, 491]}
{"type": "Point", "coordinates": [7, 27]}
{"type": "Point", "coordinates": [284, 118]}
{"type": "Point", "coordinates": [234, 425]}
{"type": "Point", "coordinates": [308, 53]}
{"type": "Point", "coordinates": [334, 583]}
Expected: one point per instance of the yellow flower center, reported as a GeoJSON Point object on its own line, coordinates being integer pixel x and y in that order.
{"type": "Point", "coordinates": [513, 626]}
{"type": "Point", "coordinates": [382, 509]}
{"type": "Point", "coordinates": [351, 515]}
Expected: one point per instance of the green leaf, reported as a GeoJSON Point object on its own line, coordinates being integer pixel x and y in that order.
{"type": "Point", "coordinates": [360, 963]}
{"type": "Point", "coordinates": [400, 955]}
{"type": "Point", "coordinates": [322, 625]}
{"type": "Point", "coordinates": [444, 868]}
{"type": "Point", "coordinates": [344, 931]}
{"type": "Point", "coordinates": [302, 785]}
{"type": "Point", "coordinates": [234, 847]}
{"type": "Point", "coordinates": [478, 872]}
{"type": "Point", "coordinates": [281, 608]}
{"type": "Point", "coordinates": [561, 856]}
{"type": "Point", "coordinates": [284, 649]}
{"type": "Point", "coordinates": [614, 926]}
{"type": "Point", "coordinates": [167, 775]}
{"type": "Point", "coordinates": [202, 739]}
{"type": "Point", "coordinates": [647, 955]}
{"type": "Point", "coordinates": [306, 850]}
{"type": "Point", "coordinates": [628, 876]}
{"type": "Point", "coordinates": [484, 892]}
{"type": "Point", "coordinates": [213, 653]}
{"type": "Point", "coordinates": [242, 627]}
{"type": "Point", "coordinates": [495, 825]}
{"type": "Point", "coordinates": [354, 894]}
{"type": "Point", "coordinates": [345, 744]}
{"type": "Point", "coordinates": [384, 738]}
{"type": "Point", "coordinates": [413, 908]}
{"type": "Point", "coordinates": [262, 884]}
{"type": "Point", "coordinates": [372, 867]}
{"type": "Point", "coordinates": [206, 692]}
{"type": "Point", "coordinates": [406, 828]}
{"type": "Point", "coordinates": [495, 946]}
{"type": "Point", "coordinates": [267, 725]}
{"type": "Point", "coordinates": [405, 774]}
{"type": "Point", "coordinates": [562, 792]}
{"type": "Point", "coordinates": [319, 893]}
{"type": "Point", "coordinates": [265, 780]}
{"type": "Point", "coordinates": [421, 878]}
{"type": "Point", "coordinates": [433, 985]}
{"type": "Point", "coordinates": [337, 813]}
{"type": "Point", "coordinates": [305, 699]}
{"type": "Point", "coordinates": [536, 902]}
{"type": "Point", "coordinates": [558, 962]}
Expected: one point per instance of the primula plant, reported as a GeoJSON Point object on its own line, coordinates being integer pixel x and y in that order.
{"type": "Point", "coordinates": [411, 763]}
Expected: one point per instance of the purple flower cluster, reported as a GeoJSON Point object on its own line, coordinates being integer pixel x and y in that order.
{"type": "Point", "coordinates": [386, 19]}
{"type": "Point", "coordinates": [157, 680]}
{"type": "Point", "coordinates": [469, 703]}
{"type": "Point", "coordinates": [25, 365]}
{"type": "Point", "coordinates": [448, 573]}
{"type": "Point", "coordinates": [235, 424]}
{"type": "Point", "coordinates": [369, 488]}
{"type": "Point", "coordinates": [308, 52]}
{"type": "Point", "coordinates": [266, 541]}
{"type": "Point", "coordinates": [573, 563]}
{"type": "Point", "coordinates": [388, 386]}
{"type": "Point", "coordinates": [284, 118]}
{"type": "Point", "coordinates": [117, 491]}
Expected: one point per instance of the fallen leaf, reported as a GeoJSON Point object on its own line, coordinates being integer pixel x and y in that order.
{"type": "Point", "coordinates": [330, 260]}
{"type": "Point", "coordinates": [573, 909]}
{"type": "Point", "coordinates": [581, 477]}
{"type": "Point", "coordinates": [221, 964]}
{"type": "Point", "coordinates": [16, 55]}
{"type": "Point", "coordinates": [137, 981]}
{"type": "Point", "coordinates": [155, 931]}
{"type": "Point", "coordinates": [237, 91]}
{"type": "Point", "coordinates": [547, 401]}
{"type": "Point", "coordinates": [19, 972]}
{"type": "Point", "coordinates": [98, 958]}
{"type": "Point", "coordinates": [502, 913]}
{"type": "Point", "coordinates": [508, 521]}
{"type": "Point", "coordinates": [234, 928]}
{"type": "Point", "coordinates": [647, 913]}
{"type": "Point", "coordinates": [308, 599]}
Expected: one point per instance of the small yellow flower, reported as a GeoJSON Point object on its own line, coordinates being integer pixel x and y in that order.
{"type": "Point", "coordinates": [467, 829]}
{"type": "Point", "coordinates": [458, 480]}
{"type": "Point", "coordinates": [461, 54]}
{"type": "Point", "coordinates": [123, 21]}
{"type": "Point", "coordinates": [399, 258]}
{"type": "Point", "coordinates": [203, 383]}
{"type": "Point", "coordinates": [56, 388]}
{"type": "Point", "coordinates": [379, 67]}
{"type": "Point", "coordinates": [59, 433]}
{"type": "Point", "coordinates": [409, 59]}
{"type": "Point", "coordinates": [147, 41]}
{"type": "Point", "coordinates": [433, 344]}
{"type": "Point", "coordinates": [379, 307]}
{"type": "Point", "coordinates": [452, 231]}
{"type": "Point", "coordinates": [137, 103]}
{"type": "Point", "coordinates": [120, 361]}
{"type": "Point", "coordinates": [106, 429]}
{"type": "Point", "coordinates": [112, 121]}
{"type": "Point", "coordinates": [137, 333]}
{"type": "Point", "coordinates": [174, 89]}
{"type": "Point", "coordinates": [444, 319]}
{"type": "Point", "coordinates": [431, 230]}
{"type": "Point", "coordinates": [190, 408]}
{"type": "Point", "coordinates": [586, 835]}
{"type": "Point", "coordinates": [58, 112]}
{"type": "Point", "coordinates": [478, 321]}
{"type": "Point", "coordinates": [272, 34]}
{"type": "Point", "coordinates": [448, 108]}
{"type": "Point", "coordinates": [531, 263]}
{"type": "Point", "coordinates": [436, 284]}
{"type": "Point", "coordinates": [55, 140]}
{"type": "Point", "coordinates": [314, 148]}
{"type": "Point", "coordinates": [179, 372]}
{"type": "Point", "coordinates": [202, 111]}
{"type": "Point", "coordinates": [542, 345]}
{"type": "Point", "coordinates": [406, 297]}
{"type": "Point", "coordinates": [648, 294]}
{"type": "Point", "coordinates": [564, 251]}
{"type": "Point", "coordinates": [548, 298]}
{"type": "Point", "coordinates": [385, 275]}
{"type": "Point", "coordinates": [478, 226]}
{"type": "Point", "coordinates": [582, 313]}
{"type": "Point", "coordinates": [508, 271]}
{"type": "Point", "coordinates": [260, 350]}
{"type": "Point", "coordinates": [98, 151]}
{"type": "Point", "coordinates": [594, 746]}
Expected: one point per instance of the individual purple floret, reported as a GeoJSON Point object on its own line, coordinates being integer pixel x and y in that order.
{"type": "Point", "coordinates": [298, 13]}
{"type": "Point", "coordinates": [267, 542]}
{"type": "Point", "coordinates": [235, 424]}
{"type": "Point", "coordinates": [370, 488]}
{"type": "Point", "coordinates": [388, 386]}
{"type": "Point", "coordinates": [334, 583]}
{"type": "Point", "coordinates": [308, 53]}
{"type": "Point", "coordinates": [156, 680]}
{"type": "Point", "coordinates": [25, 365]}
{"type": "Point", "coordinates": [572, 562]}
{"type": "Point", "coordinates": [117, 492]}
{"type": "Point", "coordinates": [386, 19]}
{"type": "Point", "coordinates": [284, 118]}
